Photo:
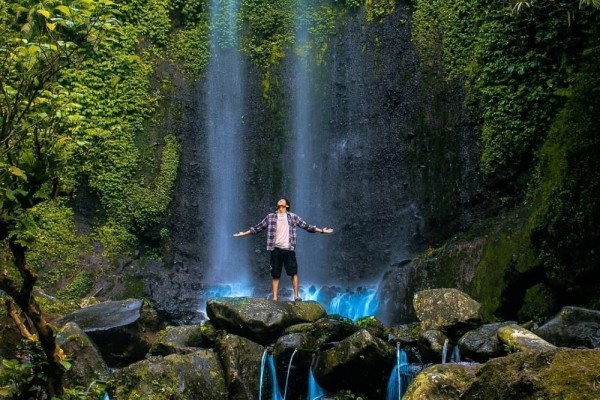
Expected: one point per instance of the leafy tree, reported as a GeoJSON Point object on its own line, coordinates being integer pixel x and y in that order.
{"type": "Point", "coordinates": [39, 39]}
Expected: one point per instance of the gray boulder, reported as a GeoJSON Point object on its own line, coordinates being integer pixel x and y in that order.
{"type": "Point", "coordinates": [517, 338]}
{"type": "Point", "coordinates": [87, 363]}
{"type": "Point", "coordinates": [241, 360]}
{"type": "Point", "coordinates": [259, 319]}
{"type": "Point", "coordinates": [482, 343]}
{"type": "Point", "coordinates": [177, 339]}
{"type": "Point", "coordinates": [442, 382]}
{"type": "Point", "coordinates": [294, 352]}
{"type": "Point", "coordinates": [432, 345]}
{"type": "Point", "coordinates": [360, 363]}
{"type": "Point", "coordinates": [120, 329]}
{"type": "Point", "coordinates": [194, 376]}
{"type": "Point", "coordinates": [449, 310]}
{"type": "Point", "coordinates": [574, 327]}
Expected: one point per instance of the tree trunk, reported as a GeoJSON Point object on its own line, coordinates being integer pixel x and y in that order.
{"type": "Point", "coordinates": [23, 297]}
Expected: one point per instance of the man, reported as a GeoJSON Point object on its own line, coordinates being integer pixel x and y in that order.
{"type": "Point", "coordinates": [281, 242]}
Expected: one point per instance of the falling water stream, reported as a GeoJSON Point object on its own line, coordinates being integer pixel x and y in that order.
{"type": "Point", "coordinates": [225, 87]}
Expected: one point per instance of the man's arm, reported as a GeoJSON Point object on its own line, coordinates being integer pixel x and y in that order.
{"type": "Point", "coordinates": [256, 228]}
{"type": "Point", "coordinates": [311, 228]}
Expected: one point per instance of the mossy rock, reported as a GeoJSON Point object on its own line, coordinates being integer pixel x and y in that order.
{"type": "Point", "coordinates": [195, 376]}
{"type": "Point", "coordinates": [517, 338]}
{"type": "Point", "coordinates": [442, 382]}
{"type": "Point", "coordinates": [373, 325]}
{"type": "Point", "coordinates": [241, 360]}
{"type": "Point", "coordinates": [565, 374]}
{"type": "Point", "coordinates": [176, 339]}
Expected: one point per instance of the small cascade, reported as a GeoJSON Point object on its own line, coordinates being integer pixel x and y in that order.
{"type": "Point", "coordinates": [455, 357]}
{"type": "Point", "coordinates": [444, 351]}
{"type": "Point", "coordinates": [350, 303]}
{"type": "Point", "coordinates": [314, 390]}
{"type": "Point", "coordinates": [401, 375]}
{"type": "Point", "coordinates": [287, 377]}
{"type": "Point", "coordinates": [105, 397]}
{"type": "Point", "coordinates": [275, 392]}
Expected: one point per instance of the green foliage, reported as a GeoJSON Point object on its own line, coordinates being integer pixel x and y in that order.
{"type": "Point", "coordinates": [79, 286]}
{"type": "Point", "coordinates": [23, 377]}
{"type": "Point", "coordinates": [515, 67]}
{"type": "Point", "coordinates": [56, 244]}
{"type": "Point", "coordinates": [191, 47]}
{"type": "Point", "coordinates": [378, 9]}
{"type": "Point", "coordinates": [269, 28]}
{"type": "Point", "coordinates": [565, 204]}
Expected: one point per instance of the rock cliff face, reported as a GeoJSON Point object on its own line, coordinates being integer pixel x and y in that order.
{"type": "Point", "coordinates": [392, 168]}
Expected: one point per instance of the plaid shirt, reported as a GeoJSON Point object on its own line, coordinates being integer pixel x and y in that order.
{"type": "Point", "coordinates": [270, 222]}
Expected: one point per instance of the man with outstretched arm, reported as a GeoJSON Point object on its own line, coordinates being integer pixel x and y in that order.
{"type": "Point", "coordinates": [281, 242]}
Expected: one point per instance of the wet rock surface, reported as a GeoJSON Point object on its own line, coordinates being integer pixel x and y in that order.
{"type": "Point", "coordinates": [241, 360]}
{"type": "Point", "coordinates": [572, 327]}
{"type": "Point", "coordinates": [260, 319]}
{"type": "Point", "coordinates": [176, 339]}
{"type": "Point", "coordinates": [119, 329]}
{"type": "Point", "coordinates": [482, 343]}
{"type": "Point", "coordinates": [196, 376]}
{"type": "Point", "coordinates": [360, 362]}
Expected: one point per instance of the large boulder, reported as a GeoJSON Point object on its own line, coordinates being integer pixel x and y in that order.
{"type": "Point", "coordinates": [556, 374]}
{"type": "Point", "coordinates": [325, 330]}
{"type": "Point", "coordinates": [241, 360]}
{"type": "Point", "coordinates": [572, 327]}
{"type": "Point", "coordinates": [294, 352]}
{"type": "Point", "coordinates": [87, 365]}
{"type": "Point", "coordinates": [360, 363]}
{"type": "Point", "coordinates": [119, 328]}
{"type": "Point", "coordinates": [442, 382]}
{"type": "Point", "coordinates": [449, 310]}
{"type": "Point", "coordinates": [194, 376]}
{"type": "Point", "coordinates": [517, 338]}
{"type": "Point", "coordinates": [177, 339]}
{"type": "Point", "coordinates": [482, 343]}
{"type": "Point", "coordinates": [258, 319]}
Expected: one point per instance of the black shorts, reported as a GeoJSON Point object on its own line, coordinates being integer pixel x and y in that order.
{"type": "Point", "coordinates": [286, 258]}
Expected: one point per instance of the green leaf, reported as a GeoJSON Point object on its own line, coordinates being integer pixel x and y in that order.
{"type": "Point", "coordinates": [18, 172]}
{"type": "Point", "coordinates": [44, 12]}
{"type": "Point", "coordinates": [66, 365]}
{"type": "Point", "coordinates": [63, 9]}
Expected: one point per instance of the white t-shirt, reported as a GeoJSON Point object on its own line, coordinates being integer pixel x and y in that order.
{"type": "Point", "coordinates": [282, 234]}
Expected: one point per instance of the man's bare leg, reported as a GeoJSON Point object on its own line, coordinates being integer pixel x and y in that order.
{"type": "Point", "coordinates": [295, 285]}
{"type": "Point", "coordinates": [275, 288]}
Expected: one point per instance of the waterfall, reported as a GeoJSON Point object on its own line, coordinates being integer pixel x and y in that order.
{"type": "Point", "coordinates": [306, 185]}
{"type": "Point", "coordinates": [225, 131]}
{"type": "Point", "coordinates": [455, 357]}
{"type": "Point", "coordinates": [444, 351]}
{"type": "Point", "coordinates": [275, 392]}
{"type": "Point", "coordinates": [287, 377]}
{"type": "Point", "coordinates": [315, 391]}
{"type": "Point", "coordinates": [352, 303]}
{"type": "Point", "coordinates": [400, 376]}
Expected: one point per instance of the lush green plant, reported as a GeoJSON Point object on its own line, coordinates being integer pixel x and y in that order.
{"type": "Point", "coordinates": [38, 119]}
{"type": "Point", "coordinates": [24, 378]}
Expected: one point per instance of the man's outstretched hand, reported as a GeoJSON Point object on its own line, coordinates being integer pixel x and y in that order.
{"type": "Point", "coordinates": [327, 230]}
{"type": "Point", "coordinates": [240, 234]}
